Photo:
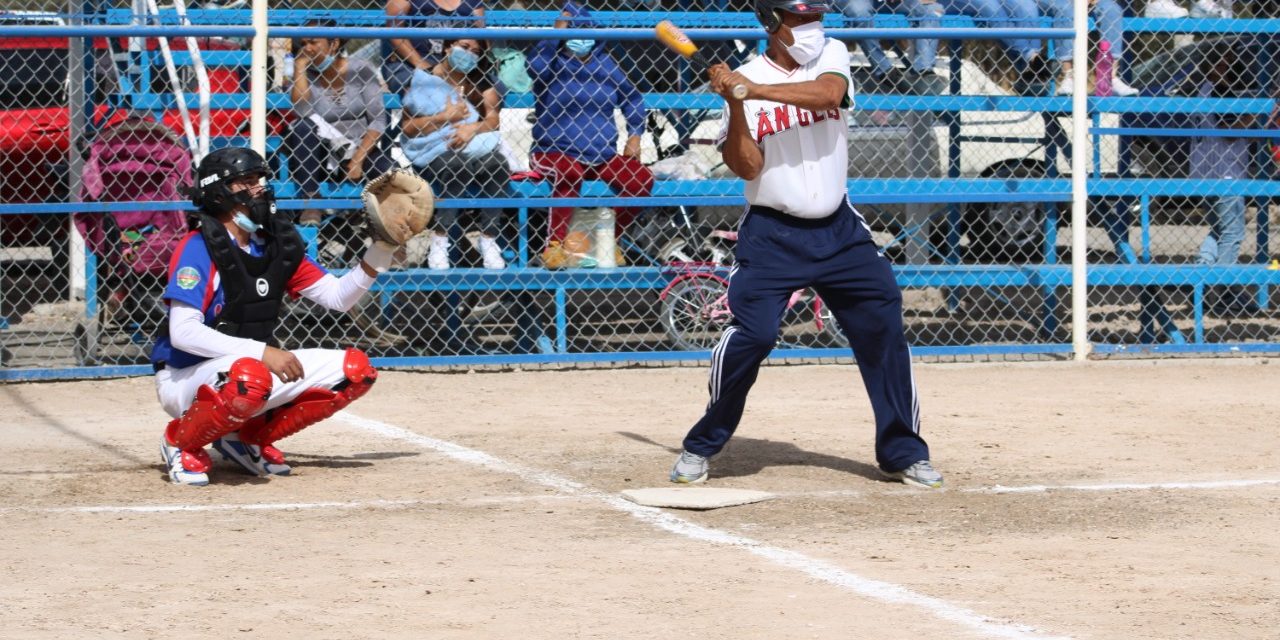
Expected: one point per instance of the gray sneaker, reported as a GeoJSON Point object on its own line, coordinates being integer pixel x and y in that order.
{"type": "Point", "coordinates": [690, 468]}
{"type": "Point", "coordinates": [920, 474]}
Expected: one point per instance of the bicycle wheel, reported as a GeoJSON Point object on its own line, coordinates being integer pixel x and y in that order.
{"type": "Point", "coordinates": [695, 312]}
{"type": "Point", "coordinates": [809, 324]}
{"type": "Point", "coordinates": [830, 328]}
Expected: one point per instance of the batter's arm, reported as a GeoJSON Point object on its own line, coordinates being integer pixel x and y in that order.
{"type": "Point", "coordinates": [740, 152]}
{"type": "Point", "coordinates": [823, 93]}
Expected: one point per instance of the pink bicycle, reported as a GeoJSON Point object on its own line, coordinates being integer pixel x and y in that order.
{"type": "Point", "coordinates": [695, 309]}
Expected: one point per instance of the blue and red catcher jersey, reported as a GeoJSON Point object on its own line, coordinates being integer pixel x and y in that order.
{"type": "Point", "coordinates": [193, 280]}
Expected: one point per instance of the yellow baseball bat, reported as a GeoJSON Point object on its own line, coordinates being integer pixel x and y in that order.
{"type": "Point", "coordinates": [675, 39]}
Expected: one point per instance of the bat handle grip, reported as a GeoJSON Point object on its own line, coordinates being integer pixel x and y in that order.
{"type": "Point", "coordinates": [740, 92]}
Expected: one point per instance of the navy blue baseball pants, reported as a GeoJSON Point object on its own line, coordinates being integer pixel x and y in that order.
{"type": "Point", "coordinates": [778, 254]}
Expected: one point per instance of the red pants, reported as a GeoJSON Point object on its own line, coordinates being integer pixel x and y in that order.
{"type": "Point", "coordinates": [625, 175]}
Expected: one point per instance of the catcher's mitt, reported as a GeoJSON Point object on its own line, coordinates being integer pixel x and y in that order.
{"type": "Point", "coordinates": [398, 205]}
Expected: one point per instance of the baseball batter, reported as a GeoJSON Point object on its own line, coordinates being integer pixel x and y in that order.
{"type": "Point", "coordinates": [788, 139]}
{"type": "Point", "coordinates": [219, 370]}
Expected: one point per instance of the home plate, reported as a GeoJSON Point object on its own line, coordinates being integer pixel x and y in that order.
{"type": "Point", "coordinates": [700, 498]}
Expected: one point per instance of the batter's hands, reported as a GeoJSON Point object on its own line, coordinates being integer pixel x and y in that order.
{"type": "Point", "coordinates": [724, 79]}
{"type": "Point", "coordinates": [283, 364]}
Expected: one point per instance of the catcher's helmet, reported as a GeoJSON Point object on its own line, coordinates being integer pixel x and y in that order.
{"type": "Point", "coordinates": [212, 192]}
{"type": "Point", "coordinates": [767, 10]}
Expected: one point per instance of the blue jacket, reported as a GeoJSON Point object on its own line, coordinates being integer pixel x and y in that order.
{"type": "Point", "coordinates": [575, 100]}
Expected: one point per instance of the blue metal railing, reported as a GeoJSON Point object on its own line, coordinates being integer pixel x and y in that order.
{"type": "Point", "coordinates": [633, 27]}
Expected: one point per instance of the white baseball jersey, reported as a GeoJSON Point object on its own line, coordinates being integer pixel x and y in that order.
{"type": "Point", "coordinates": [806, 153]}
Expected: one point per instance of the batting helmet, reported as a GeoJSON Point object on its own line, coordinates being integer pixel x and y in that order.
{"type": "Point", "coordinates": [767, 11]}
{"type": "Point", "coordinates": [213, 194]}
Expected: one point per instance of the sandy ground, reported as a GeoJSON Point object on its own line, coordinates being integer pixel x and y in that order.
{"type": "Point", "coordinates": [485, 505]}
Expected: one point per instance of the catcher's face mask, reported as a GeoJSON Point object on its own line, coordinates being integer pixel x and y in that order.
{"type": "Point", "coordinates": [232, 181]}
{"type": "Point", "coordinates": [251, 194]}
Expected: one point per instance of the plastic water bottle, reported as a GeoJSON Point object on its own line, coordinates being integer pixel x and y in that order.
{"type": "Point", "coordinates": [1103, 70]}
{"type": "Point", "coordinates": [603, 239]}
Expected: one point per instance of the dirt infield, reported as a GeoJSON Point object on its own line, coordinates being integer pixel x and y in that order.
{"type": "Point", "coordinates": [1105, 500]}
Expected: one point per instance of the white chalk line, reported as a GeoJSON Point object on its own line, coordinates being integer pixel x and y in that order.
{"type": "Point", "coordinates": [873, 589]}
{"type": "Point", "coordinates": [1129, 486]}
{"type": "Point", "coordinates": [1047, 488]}
{"type": "Point", "coordinates": [398, 504]}
{"type": "Point", "coordinates": [515, 499]}
{"type": "Point", "coordinates": [283, 506]}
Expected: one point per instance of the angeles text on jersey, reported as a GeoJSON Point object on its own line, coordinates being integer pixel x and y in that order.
{"type": "Point", "coordinates": [780, 118]}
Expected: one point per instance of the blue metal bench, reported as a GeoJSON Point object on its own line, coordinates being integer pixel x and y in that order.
{"type": "Point", "coordinates": [709, 192]}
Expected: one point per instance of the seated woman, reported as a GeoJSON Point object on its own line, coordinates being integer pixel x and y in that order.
{"type": "Point", "coordinates": [450, 134]}
{"type": "Point", "coordinates": [341, 118]}
{"type": "Point", "coordinates": [402, 56]}
{"type": "Point", "coordinates": [576, 90]}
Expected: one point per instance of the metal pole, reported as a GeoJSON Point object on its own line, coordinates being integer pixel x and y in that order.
{"type": "Point", "coordinates": [258, 80]}
{"type": "Point", "coordinates": [77, 61]}
{"type": "Point", "coordinates": [1079, 174]}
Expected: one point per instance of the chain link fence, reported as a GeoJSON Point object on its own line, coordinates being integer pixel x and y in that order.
{"type": "Point", "coordinates": [584, 206]}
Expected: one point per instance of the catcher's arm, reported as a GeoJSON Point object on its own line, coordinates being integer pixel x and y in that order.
{"type": "Point", "coordinates": [377, 258]}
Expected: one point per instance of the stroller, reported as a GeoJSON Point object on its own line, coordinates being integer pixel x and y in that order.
{"type": "Point", "coordinates": [129, 251]}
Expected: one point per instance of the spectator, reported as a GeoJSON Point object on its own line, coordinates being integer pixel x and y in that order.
{"type": "Point", "coordinates": [1005, 14]}
{"type": "Point", "coordinates": [450, 133]}
{"type": "Point", "coordinates": [341, 118]}
{"type": "Point", "coordinates": [923, 13]}
{"type": "Point", "coordinates": [576, 90]}
{"type": "Point", "coordinates": [1199, 9]}
{"type": "Point", "coordinates": [403, 56]}
{"type": "Point", "coordinates": [1108, 17]}
{"type": "Point", "coordinates": [1223, 158]}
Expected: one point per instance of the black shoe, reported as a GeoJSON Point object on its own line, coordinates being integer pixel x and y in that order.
{"type": "Point", "coordinates": [1232, 302]}
{"type": "Point", "coordinates": [884, 83]}
{"type": "Point", "coordinates": [1033, 77]}
{"type": "Point", "coordinates": [923, 83]}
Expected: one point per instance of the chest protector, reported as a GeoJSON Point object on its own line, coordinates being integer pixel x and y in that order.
{"type": "Point", "coordinates": [252, 286]}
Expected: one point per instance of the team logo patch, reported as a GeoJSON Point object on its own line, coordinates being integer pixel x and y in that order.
{"type": "Point", "coordinates": [187, 277]}
{"type": "Point", "coordinates": [263, 286]}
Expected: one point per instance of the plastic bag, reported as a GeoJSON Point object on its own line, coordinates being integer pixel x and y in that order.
{"type": "Point", "coordinates": [590, 238]}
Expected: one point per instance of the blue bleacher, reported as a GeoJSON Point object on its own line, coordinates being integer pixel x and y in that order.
{"type": "Point", "coordinates": [723, 191]}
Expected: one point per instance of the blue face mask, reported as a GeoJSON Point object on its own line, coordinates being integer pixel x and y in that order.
{"type": "Point", "coordinates": [322, 64]}
{"type": "Point", "coordinates": [245, 223]}
{"type": "Point", "coordinates": [580, 48]}
{"type": "Point", "coordinates": [463, 59]}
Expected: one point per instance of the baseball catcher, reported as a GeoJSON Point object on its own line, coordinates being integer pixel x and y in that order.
{"type": "Point", "coordinates": [219, 370]}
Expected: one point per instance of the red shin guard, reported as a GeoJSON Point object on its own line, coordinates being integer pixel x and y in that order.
{"type": "Point", "coordinates": [214, 414]}
{"type": "Point", "coordinates": [311, 406]}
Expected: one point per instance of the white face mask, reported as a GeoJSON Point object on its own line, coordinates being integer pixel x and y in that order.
{"type": "Point", "coordinates": [810, 38]}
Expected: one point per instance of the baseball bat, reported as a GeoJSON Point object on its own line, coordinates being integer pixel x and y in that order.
{"type": "Point", "coordinates": [675, 39]}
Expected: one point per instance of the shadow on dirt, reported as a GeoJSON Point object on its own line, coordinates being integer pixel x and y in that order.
{"type": "Point", "coordinates": [749, 456]}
